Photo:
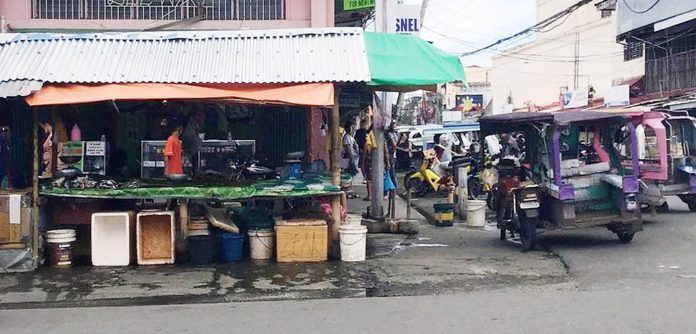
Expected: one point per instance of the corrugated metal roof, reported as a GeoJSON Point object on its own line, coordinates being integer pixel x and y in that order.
{"type": "Point", "coordinates": [14, 88]}
{"type": "Point", "coordinates": [194, 57]}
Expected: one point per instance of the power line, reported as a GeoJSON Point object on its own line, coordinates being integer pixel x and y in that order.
{"type": "Point", "coordinates": [641, 11]}
{"type": "Point", "coordinates": [537, 27]}
{"type": "Point", "coordinates": [531, 56]}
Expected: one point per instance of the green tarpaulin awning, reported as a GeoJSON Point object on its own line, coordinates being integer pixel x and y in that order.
{"type": "Point", "coordinates": [404, 60]}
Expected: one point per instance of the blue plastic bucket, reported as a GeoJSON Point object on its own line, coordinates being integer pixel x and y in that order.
{"type": "Point", "coordinates": [231, 246]}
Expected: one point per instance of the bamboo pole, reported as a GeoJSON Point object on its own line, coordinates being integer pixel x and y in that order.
{"type": "Point", "coordinates": [35, 185]}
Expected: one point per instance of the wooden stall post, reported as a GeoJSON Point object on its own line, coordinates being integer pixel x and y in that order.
{"type": "Point", "coordinates": [35, 185]}
{"type": "Point", "coordinates": [334, 162]}
{"type": "Point", "coordinates": [376, 207]}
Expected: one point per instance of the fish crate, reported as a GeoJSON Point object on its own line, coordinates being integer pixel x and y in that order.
{"type": "Point", "coordinates": [113, 238]}
{"type": "Point", "coordinates": [155, 237]}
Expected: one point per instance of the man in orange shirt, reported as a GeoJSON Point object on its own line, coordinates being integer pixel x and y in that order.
{"type": "Point", "coordinates": [172, 153]}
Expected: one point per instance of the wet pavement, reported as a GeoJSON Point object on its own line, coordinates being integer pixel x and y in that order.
{"type": "Point", "coordinates": [438, 260]}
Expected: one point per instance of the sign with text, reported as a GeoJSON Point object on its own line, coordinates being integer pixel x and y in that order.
{"type": "Point", "coordinates": [95, 148]}
{"type": "Point", "coordinates": [358, 4]}
{"type": "Point", "coordinates": [403, 18]}
{"type": "Point", "coordinates": [617, 96]}
{"type": "Point", "coordinates": [575, 99]}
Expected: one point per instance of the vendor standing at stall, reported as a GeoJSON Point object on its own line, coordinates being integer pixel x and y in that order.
{"type": "Point", "coordinates": [172, 153]}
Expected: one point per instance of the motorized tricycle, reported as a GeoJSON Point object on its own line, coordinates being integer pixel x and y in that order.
{"type": "Point", "coordinates": [558, 184]}
{"type": "Point", "coordinates": [666, 152]}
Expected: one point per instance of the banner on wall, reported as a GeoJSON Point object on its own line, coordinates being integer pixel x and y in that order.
{"type": "Point", "coordinates": [358, 4]}
{"type": "Point", "coordinates": [617, 96]}
{"type": "Point", "coordinates": [468, 102]}
{"type": "Point", "coordinates": [575, 99]}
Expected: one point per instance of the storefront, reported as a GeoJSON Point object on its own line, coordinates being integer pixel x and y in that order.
{"type": "Point", "coordinates": [105, 104]}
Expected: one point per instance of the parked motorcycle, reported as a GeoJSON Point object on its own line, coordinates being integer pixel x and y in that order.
{"type": "Point", "coordinates": [431, 177]}
{"type": "Point", "coordinates": [250, 170]}
{"type": "Point", "coordinates": [517, 202]}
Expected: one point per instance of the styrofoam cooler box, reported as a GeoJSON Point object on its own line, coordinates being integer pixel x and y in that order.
{"type": "Point", "coordinates": [113, 238]}
{"type": "Point", "coordinates": [155, 237]}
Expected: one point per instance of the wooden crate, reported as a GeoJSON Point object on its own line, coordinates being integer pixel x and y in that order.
{"type": "Point", "coordinates": [301, 240]}
{"type": "Point", "coordinates": [155, 237]}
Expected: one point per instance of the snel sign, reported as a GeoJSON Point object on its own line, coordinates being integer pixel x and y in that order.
{"type": "Point", "coordinates": [403, 18]}
{"type": "Point", "coordinates": [407, 25]}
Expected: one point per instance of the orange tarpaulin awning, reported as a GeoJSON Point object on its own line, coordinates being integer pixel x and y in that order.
{"type": "Point", "coordinates": [306, 94]}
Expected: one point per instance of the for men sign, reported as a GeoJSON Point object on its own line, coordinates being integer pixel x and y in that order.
{"type": "Point", "coordinates": [358, 4]}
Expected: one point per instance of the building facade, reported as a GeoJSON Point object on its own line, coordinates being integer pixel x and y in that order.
{"type": "Point", "coordinates": [579, 52]}
{"type": "Point", "coordinates": [667, 34]}
{"type": "Point", "coordinates": [139, 15]}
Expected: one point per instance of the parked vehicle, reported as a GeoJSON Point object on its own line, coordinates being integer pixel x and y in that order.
{"type": "Point", "coordinates": [571, 191]}
{"type": "Point", "coordinates": [431, 177]}
{"type": "Point", "coordinates": [666, 151]}
{"type": "Point", "coordinates": [411, 144]}
{"type": "Point", "coordinates": [443, 176]}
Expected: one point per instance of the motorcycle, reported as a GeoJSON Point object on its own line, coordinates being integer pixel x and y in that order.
{"type": "Point", "coordinates": [518, 203]}
{"type": "Point", "coordinates": [431, 177]}
{"type": "Point", "coordinates": [250, 170]}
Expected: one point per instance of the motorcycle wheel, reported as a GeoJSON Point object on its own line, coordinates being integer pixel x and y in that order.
{"type": "Point", "coordinates": [492, 199]}
{"type": "Point", "coordinates": [664, 208]}
{"type": "Point", "coordinates": [528, 234]}
{"type": "Point", "coordinates": [475, 188]}
{"type": "Point", "coordinates": [692, 206]}
{"type": "Point", "coordinates": [625, 237]}
{"type": "Point", "coordinates": [419, 187]}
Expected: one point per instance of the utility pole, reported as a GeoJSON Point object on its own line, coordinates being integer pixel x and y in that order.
{"type": "Point", "coordinates": [576, 74]}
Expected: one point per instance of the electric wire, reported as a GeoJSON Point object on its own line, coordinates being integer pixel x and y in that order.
{"type": "Point", "coordinates": [537, 27]}
{"type": "Point", "coordinates": [641, 11]}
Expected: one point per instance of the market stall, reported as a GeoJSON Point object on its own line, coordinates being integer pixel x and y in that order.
{"type": "Point", "coordinates": [103, 106]}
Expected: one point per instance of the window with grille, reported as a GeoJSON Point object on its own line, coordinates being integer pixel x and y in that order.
{"type": "Point", "coordinates": [158, 9]}
{"type": "Point", "coordinates": [633, 50]}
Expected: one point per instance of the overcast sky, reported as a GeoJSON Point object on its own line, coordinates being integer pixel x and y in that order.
{"type": "Point", "coordinates": [458, 26]}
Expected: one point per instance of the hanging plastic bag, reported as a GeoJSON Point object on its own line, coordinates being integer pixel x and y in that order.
{"type": "Point", "coordinates": [388, 184]}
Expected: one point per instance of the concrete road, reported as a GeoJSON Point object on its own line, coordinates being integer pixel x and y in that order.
{"type": "Point", "coordinates": [660, 256]}
{"type": "Point", "coordinates": [647, 286]}
{"type": "Point", "coordinates": [533, 311]}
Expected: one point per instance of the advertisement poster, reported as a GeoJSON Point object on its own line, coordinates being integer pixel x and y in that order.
{"type": "Point", "coordinates": [575, 99]}
{"type": "Point", "coordinates": [469, 102]}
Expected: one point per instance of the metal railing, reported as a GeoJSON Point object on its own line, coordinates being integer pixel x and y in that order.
{"type": "Point", "coordinates": [158, 9]}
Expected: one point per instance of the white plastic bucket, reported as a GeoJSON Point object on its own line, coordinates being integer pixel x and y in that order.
{"type": "Point", "coordinates": [60, 233]}
{"type": "Point", "coordinates": [352, 219]}
{"type": "Point", "coordinates": [476, 213]}
{"type": "Point", "coordinates": [59, 248]}
{"type": "Point", "coordinates": [60, 236]}
{"type": "Point", "coordinates": [261, 244]}
{"type": "Point", "coordinates": [353, 242]}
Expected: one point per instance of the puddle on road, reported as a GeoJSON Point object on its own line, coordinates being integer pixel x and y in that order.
{"type": "Point", "coordinates": [404, 245]}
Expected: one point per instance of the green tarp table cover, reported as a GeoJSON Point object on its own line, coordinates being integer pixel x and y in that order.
{"type": "Point", "coordinates": [310, 185]}
{"type": "Point", "coordinates": [404, 60]}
